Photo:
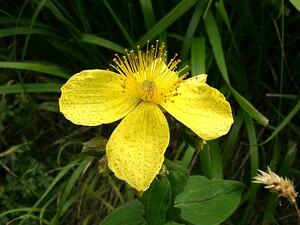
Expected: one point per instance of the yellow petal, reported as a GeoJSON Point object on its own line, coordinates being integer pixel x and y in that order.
{"type": "Point", "coordinates": [135, 150]}
{"type": "Point", "coordinates": [93, 97]}
{"type": "Point", "coordinates": [201, 108]}
{"type": "Point", "coordinates": [196, 80]}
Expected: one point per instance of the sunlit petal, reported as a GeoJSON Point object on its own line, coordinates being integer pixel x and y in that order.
{"type": "Point", "coordinates": [135, 150]}
{"type": "Point", "coordinates": [201, 108]}
{"type": "Point", "coordinates": [93, 97]}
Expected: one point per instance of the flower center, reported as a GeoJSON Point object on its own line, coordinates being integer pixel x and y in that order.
{"type": "Point", "coordinates": [148, 90]}
{"type": "Point", "coordinates": [147, 75]}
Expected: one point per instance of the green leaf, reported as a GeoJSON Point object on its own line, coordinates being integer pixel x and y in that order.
{"type": "Point", "coordinates": [148, 13]}
{"type": "Point", "coordinates": [216, 43]}
{"type": "Point", "coordinates": [198, 55]}
{"type": "Point", "coordinates": [221, 9]}
{"type": "Point", "coordinates": [178, 176]}
{"type": "Point", "coordinates": [244, 10]}
{"type": "Point", "coordinates": [211, 159]}
{"type": "Point", "coordinates": [29, 88]}
{"type": "Point", "coordinates": [38, 67]}
{"type": "Point", "coordinates": [92, 39]}
{"type": "Point", "coordinates": [208, 202]}
{"type": "Point", "coordinates": [157, 201]}
{"type": "Point", "coordinates": [65, 201]}
{"type": "Point", "coordinates": [12, 31]}
{"type": "Point", "coordinates": [14, 148]}
{"type": "Point", "coordinates": [249, 109]}
{"type": "Point", "coordinates": [285, 122]}
{"type": "Point", "coordinates": [193, 25]}
{"type": "Point", "coordinates": [129, 213]}
{"type": "Point", "coordinates": [37, 10]}
{"type": "Point", "coordinates": [59, 177]}
{"type": "Point", "coordinates": [296, 3]}
{"type": "Point", "coordinates": [126, 33]}
{"type": "Point", "coordinates": [173, 223]}
{"type": "Point", "coordinates": [254, 159]}
{"type": "Point", "coordinates": [167, 20]}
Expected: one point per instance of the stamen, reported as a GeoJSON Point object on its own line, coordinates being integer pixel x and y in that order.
{"type": "Point", "coordinates": [146, 75]}
{"type": "Point", "coordinates": [186, 66]}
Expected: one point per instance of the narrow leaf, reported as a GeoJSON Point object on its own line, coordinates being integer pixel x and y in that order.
{"type": "Point", "coordinates": [249, 108]}
{"type": "Point", "coordinates": [58, 177]}
{"type": "Point", "coordinates": [29, 88]}
{"type": "Point", "coordinates": [88, 38]}
{"type": "Point", "coordinates": [25, 30]}
{"type": "Point", "coordinates": [215, 41]}
{"type": "Point", "coordinates": [284, 122]}
{"type": "Point", "coordinates": [125, 32]}
{"type": "Point", "coordinates": [148, 13]}
{"type": "Point", "coordinates": [193, 25]}
{"type": "Point", "coordinates": [198, 56]}
{"type": "Point", "coordinates": [254, 158]}
{"type": "Point", "coordinates": [37, 10]}
{"type": "Point", "coordinates": [167, 20]}
{"type": "Point", "coordinates": [243, 8]}
{"type": "Point", "coordinates": [38, 67]}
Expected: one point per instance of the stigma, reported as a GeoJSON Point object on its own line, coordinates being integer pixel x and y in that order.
{"type": "Point", "coordinates": [148, 90]}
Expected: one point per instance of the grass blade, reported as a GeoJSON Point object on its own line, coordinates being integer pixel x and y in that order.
{"type": "Point", "coordinates": [249, 108]}
{"type": "Point", "coordinates": [167, 20]}
{"type": "Point", "coordinates": [254, 166]}
{"type": "Point", "coordinates": [215, 40]}
{"type": "Point", "coordinates": [37, 67]}
{"type": "Point", "coordinates": [59, 176]}
{"type": "Point", "coordinates": [198, 56]}
{"type": "Point", "coordinates": [217, 169]}
{"type": "Point", "coordinates": [205, 159]}
{"type": "Point", "coordinates": [221, 9]}
{"type": "Point", "coordinates": [188, 156]}
{"type": "Point", "coordinates": [88, 38]}
{"type": "Point", "coordinates": [232, 138]}
{"type": "Point", "coordinates": [64, 201]}
{"type": "Point", "coordinates": [119, 23]}
{"type": "Point", "coordinates": [243, 9]}
{"type": "Point", "coordinates": [286, 120]}
{"type": "Point", "coordinates": [193, 25]}
{"type": "Point", "coordinates": [148, 13]}
{"type": "Point", "coordinates": [24, 30]}
{"type": "Point", "coordinates": [33, 19]}
{"type": "Point", "coordinates": [30, 88]}
{"type": "Point", "coordinates": [211, 161]}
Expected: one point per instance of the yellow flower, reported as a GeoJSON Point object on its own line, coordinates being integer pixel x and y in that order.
{"type": "Point", "coordinates": [143, 86]}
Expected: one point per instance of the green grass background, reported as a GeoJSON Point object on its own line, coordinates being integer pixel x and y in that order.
{"type": "Point", "coordinates": [249, 49]}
